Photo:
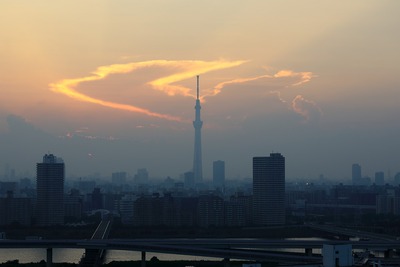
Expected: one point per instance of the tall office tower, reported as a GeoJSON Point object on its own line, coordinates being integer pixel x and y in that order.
{"type": "Point", "coordinates": [197, 124]}
{"type": "Point", "coordinates": [50, 191]}
{"type": "Point", "coordinates": [356, 174]}
{"type": "Point", "coordinates": [269, 190]}
{"type": "Point", "coordinates": [219, 174]}
{"type": "Point", "coordinates": [380, 178]}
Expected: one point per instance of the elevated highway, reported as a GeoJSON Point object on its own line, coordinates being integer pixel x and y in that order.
{"type": "Point", "coordinates": [246, 249]}
{"type": "Point", "coordinates": [352, 232]}
{"type": "Point", "coordinates": [161, 244]}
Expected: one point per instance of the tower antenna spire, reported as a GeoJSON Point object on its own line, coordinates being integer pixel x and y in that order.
{"type": "Point", "coordinates": [197, 124]}
{"type": "Point", "coordinates": [198, 86]}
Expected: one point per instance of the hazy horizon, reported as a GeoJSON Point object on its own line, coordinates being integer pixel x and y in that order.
{"type": "Point", "coordinates": [110, 86]}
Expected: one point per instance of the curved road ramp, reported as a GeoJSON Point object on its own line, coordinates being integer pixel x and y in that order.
{"type": "Point", "coordinates": [94, 257]}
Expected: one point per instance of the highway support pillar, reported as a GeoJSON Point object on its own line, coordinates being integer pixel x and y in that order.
{"type": "Point", "coordinates": [227, 263]}
{"type": "Point", "coordinates": [49, 257]}
{"type": "Point", "coordinates": [143, 262]}
{"type": "Point", "coordinates": [309, 252]}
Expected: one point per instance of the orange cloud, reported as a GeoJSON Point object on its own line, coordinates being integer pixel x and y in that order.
{"type": "Point", "coordinates": [193, 68]}
{"type": "Point", "coordinates": [185, 69]}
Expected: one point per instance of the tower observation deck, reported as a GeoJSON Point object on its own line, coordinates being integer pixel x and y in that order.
{"type": "Point", "coordinates": [197, 124]}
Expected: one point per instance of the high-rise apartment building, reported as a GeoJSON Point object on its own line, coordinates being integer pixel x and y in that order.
{"type": "Point", "coordinates": [269, 190]}
{"type": "Point", "coordinates": [219, 174]}
{"type": "Point", "coordinates": [50, 191]}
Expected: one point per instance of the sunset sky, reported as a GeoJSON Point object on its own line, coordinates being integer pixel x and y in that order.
{"type": "Point", "coordinates": [110, 85]}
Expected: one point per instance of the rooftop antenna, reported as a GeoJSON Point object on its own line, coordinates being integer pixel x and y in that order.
{"type": "Point", "coordinates": [197, 87]}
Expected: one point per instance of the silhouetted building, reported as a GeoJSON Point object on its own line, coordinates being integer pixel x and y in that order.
{"type": "Point", "coordinates": [179, 188]}
{"type": "Point", "coordinates": [388, 202]}
{"type": "Point", "coordinates": [397, 179]}
{"type": "Point", "coordinates": [8, 186]}
{"type": "Point", "coordinates": [118, 178]}
{"type": "Point", "coordinates": [50, 191]}
{"type": "Point", "coordinates": [244, 212]}
{"type": "Point", "coordinates": [238, 211]}
{"type": "Point", "coordinates": [380, 178]}
{"type": "Point", "coordinates": [125, 208]}
{"type": "Point", "coordinates": [142, 176]}
{"type": "Point", "coordinates": [97, 199]}
{"type": "Point", "coordinates": [269, 190]}
{"type": "Point", "coordinates": [168, 183]}
{"type": "Point", "coordinates": [210, 211]}
{"type": "Point", "coordinates": [219, 174]}
{"type": "Point", "coordinates": [9, 173]}
{"type": "Point", "coordinates": [25, 183]}
{"type": "Point", "coordinates": [356, 174]}
{"type": "Point", "coordinates": [167, 211]}
{"type": "Point", "coordinates": [181, 211]}
{"type": "Point", "coordinates": [26, 188]}
{"type": "Point", "coordinates": [147, 211]}
{"type": "Point", "coordinates": [189, 179]}
{"type": "Point", "coordinates": [85, 187]}
{"type": "Point", "coordinates": [73, 206]}
{"type": "Point", "coordinates": [109, 200]}
{"type": "Point", "coordinates": [187, 210]}
{"type": "Point", "coordinates": [170, 212]}
{"type": "Point", "coordinates": [15, 210]}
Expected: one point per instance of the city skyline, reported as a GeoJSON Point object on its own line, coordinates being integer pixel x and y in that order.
{"type": "Point", "coordinates": [109, 86]}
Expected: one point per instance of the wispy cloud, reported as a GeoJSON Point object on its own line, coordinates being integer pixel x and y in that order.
{"type": "Point", "coordinates": [220, 86]}
{"type": "Point", "coordinates": [278, 95]}
{"type": "Point", "coordinates": [306, 108]}
{"type": "Point", "coordinates": [83, 133]}
{"type": "Point", "coordinates": [301, 77]}
{"type": "Point", "coordinates": [184, 69]}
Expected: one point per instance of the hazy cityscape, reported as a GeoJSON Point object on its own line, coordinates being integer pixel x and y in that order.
{"type": "Point", "coordinates": [215, 133]}
{"type": "Point", "coordinates": [184, 207]}
{"type": "Point", "coordinates": [190, 206]}
{"type": "Point", "coordinates": [130, 198]}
